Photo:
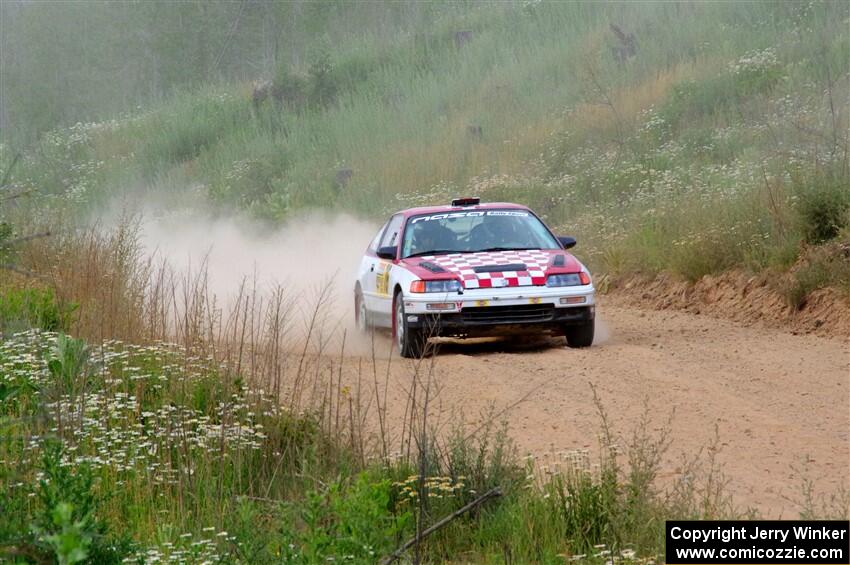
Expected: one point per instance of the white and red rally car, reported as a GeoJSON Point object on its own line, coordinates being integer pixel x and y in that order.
{"type": "Point", "coordinates": [469, 270]}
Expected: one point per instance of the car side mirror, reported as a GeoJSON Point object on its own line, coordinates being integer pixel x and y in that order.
{"type": "Point", "coordinates": [386, 253]}
{"type": "Point", "coordinates": [567, 241]}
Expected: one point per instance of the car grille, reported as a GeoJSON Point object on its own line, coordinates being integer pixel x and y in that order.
{"type": "Point", "coordinates": [516, 314]}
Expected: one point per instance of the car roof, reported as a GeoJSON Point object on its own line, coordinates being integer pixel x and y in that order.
{"type": "Point", "coordinates": [448, 208]}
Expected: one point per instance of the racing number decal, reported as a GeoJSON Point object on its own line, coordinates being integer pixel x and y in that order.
{"type": "Point", "coordinates": [382, 278]}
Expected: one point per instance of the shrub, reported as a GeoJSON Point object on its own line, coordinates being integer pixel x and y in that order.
{"type": "Point", "coordinates": [691, 99]}
{"type": "Point", "coordinates": [823, 209]}
{"type": "Point", "coordinates": [705, 255]}
{"type": "Point", "coordinates": [824, 266]}
{"type": "Point", "coordinates": [6, 232]}
{"type": "Point", "coordinates": [64, 484]}
{"type": "Point", "coordinates": [326, 79]}
{"type": "Point", "coordinates": [71, 540]}
{"type": "Point", "coordinates": [22, 308]}
{"type": "Point", "coordinates": [355, 520]}
{"type": "Point", "coordinates": [67, 526]}
{"type": "Point", "coordinates": [187, 128]}
{"type": "Point", "coordinates": [324, 83]}
{"type": "Point", "coordinates": [69, 364]}
{"type": "Point", "coordinates": [251, 181]}
{"type": "Point", "coordinates": [586, 506]}
{"type": "Point", "coordinates": [754, 73]}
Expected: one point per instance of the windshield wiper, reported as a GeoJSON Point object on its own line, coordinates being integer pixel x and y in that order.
{"type": "Point", "coordinates": [447, 251]}
{"type": "Point", "coordinates": [491, 249]}
{"type": "Point", "coordinates": [434, 252]}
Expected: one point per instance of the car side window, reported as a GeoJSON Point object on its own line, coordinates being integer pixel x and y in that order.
{"type": "Point", "coordinates": [373, 246]}
{"type": "Point", "coordinates": [392, 233]}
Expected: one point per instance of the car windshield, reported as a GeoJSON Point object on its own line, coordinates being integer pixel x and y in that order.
{"type": "Point", "coordinates": [473, 231]}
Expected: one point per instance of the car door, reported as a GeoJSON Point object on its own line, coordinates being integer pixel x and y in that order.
{"type": "Point", "coordinates": [380, 301]}
{"type": "Point", "coordinates": [366, 272]}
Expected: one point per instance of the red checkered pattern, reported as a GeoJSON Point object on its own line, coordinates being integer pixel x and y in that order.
{"type": "Point", "coordinates": [463, 265]}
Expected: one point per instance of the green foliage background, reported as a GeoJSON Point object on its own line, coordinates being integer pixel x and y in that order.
{"type": "Point", "coordinates": [722, 143]}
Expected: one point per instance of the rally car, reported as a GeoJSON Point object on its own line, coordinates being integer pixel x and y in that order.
{"type": "Point", "coordinates": [471, 270]}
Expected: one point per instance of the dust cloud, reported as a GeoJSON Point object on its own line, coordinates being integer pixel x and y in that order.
{"type": "Point", "coordinates": [602, 331]}
{"type": "Point", "coordinates": [310, 252]}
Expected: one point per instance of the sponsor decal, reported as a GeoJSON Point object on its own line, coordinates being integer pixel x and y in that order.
{"type": "Point", "coordinates": [472, 214]}
{"type": "Point", "coordinates": [382, 279]}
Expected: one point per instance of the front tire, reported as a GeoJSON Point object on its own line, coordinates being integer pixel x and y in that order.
{"type": "Point", "coordinates": [581, 335]}
{"type": "Point", "coordinates": [410, 341]}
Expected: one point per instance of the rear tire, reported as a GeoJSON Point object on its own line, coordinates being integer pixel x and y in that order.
{"type": "Point", "coordinates": [410, 342]}
{"type": "Point", "coordinates": [580, 335]}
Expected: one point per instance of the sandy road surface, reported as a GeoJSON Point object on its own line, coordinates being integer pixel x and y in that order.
{"type": "Point", "coordinates": [778, 400]}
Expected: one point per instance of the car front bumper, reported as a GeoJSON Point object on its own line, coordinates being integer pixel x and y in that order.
{"type": "Point", "coordinates": [501, 311]}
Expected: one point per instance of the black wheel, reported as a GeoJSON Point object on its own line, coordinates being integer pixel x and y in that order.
{"type": "Point", "coordinates": [410, 342]}
{"type": "Point", "coordinates": [581, 335]}
{"type": "Point", "coordinates": [361, 315]}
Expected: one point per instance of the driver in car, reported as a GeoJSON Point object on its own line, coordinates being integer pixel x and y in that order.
{"type": "Point", "coordinates": [431, 236]}
{"type": "Point", "coordinates": [495, 231]}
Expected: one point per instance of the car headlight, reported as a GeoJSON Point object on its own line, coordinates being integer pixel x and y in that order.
{"type": "Point", "coordinates": [448, 285]}
{"type": "Point", "coordinates": [568, 279]}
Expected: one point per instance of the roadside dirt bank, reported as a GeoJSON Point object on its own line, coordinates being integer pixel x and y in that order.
{"type": "Point", "coordinates": [740, 297]}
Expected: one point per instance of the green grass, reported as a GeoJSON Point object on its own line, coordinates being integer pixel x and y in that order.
{"type": "Point", "coordinates": [24, 308]}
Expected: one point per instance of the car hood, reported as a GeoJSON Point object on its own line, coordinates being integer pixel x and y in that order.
{"type": "Point", "coordinates": [498, 269]}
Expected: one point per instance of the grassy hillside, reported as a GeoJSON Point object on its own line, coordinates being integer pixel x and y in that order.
{"type": "Point", "coordinates": [720, 142]}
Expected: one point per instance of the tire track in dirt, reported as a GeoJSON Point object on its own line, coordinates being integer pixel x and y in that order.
{"type": "Point", "coordinates": [779, 401]}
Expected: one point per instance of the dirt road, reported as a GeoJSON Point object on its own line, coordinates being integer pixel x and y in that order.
{"type": "Point", "coordinates": [779, 401]}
